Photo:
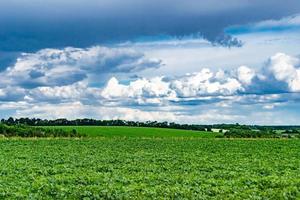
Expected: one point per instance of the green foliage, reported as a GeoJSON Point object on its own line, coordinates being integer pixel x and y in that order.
{"type": "Point", "coordinates": [27, 131]}
{"type": "Point", "coordinates": [292, 131]}
{"type": "Point", "coordinates": [248, 133]}
{"type": "Point", "coordinates": [94, 122]}
{"type": "Point", "coordinates": [150, 168]}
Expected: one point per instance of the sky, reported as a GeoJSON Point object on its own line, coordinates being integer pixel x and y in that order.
{"type": "Point", "coordinates": [202, 62]}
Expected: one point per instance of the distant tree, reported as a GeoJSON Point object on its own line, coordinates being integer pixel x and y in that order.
{"type": "Point", "coordinates": [10, 121]}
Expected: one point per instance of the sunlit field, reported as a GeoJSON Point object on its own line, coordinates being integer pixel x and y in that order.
{"type": "Point", "coordinates": [160, 164]}
{"type": "Point", "coordinates": [108, 131]}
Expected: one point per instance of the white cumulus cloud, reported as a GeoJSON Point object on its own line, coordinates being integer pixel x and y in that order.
{"type": "Point", "coordinates": [285, 69]}
{"type": "Point", "coordinates": [200, 84]}
{"type": "Point", "coordinates": [245, 74]}
{"type": "Point", "coordinates": [280, 74]}
{"type": "Point", "coordinates": [57, 67]}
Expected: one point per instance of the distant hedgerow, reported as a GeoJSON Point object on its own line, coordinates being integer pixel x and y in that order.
{"type": "Point", "coordinates": [28, 131]}
{"type": "Point", "coordinates": [265, 133]}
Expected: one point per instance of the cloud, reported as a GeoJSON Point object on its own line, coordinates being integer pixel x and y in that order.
{"type": "Point", "coordinates": [79, 91]}
{"type": "Point", "coordinates": [155, 87]}
{"type": "Point", "coordinates": [201, 84]}
{"type": "Point", "coordinates": [279, 75]}
{"type": "Point", "coordinates": [58, 67]}
{"type": "Point", "coordinates": [64, 76]}
{"type": "Point", "coordinates": [205, 83]}
{"type": "Point", "coordinates": [203, 96]}
{"type": "Point", "coordinates": [245, 75]}
{"type": "Point", "coordinates": [11, 94]}
{"type": "Point", "coordinates": [291, 21]}
{"type": "Point", "coordinates": [286, 69]}
{"type": "Point", "coordinates": [76, 110]}
{"type": "Point", "coordinates": [33, 25]}
{"type": "Point", "coordinates": [284, 24]}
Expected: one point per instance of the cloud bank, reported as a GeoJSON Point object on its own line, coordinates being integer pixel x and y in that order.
{"type": "Point", "coordinates": [70, 72]}
{"type": "Point", "coordinates": [63, 83]}
{"type": "Point", "coordinates": [281, 74]}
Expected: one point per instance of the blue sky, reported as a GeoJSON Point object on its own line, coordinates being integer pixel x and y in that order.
{"type": "Point", "coordinates": [183, 61]}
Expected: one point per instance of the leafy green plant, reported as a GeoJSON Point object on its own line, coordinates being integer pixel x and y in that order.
{"type": "Point", "coordinates": [149, 168]}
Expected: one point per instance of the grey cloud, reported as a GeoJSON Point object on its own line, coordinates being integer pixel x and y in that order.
{"type": "Point", "coordinates": [12, 94]}
{"type": "Point", "coordinates": [34, 24]}
{"type": "Point", "coordinates": [58, 67]}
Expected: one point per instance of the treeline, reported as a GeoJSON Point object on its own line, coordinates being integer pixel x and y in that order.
{"type": "Point", "coordinates": [29, 131]}
{"type": "Point", "coordinates": [255, 131]}
{"type": "Point", "coordinates": [263, 133]}
{"type": "Point", "coordinates": [249, 133]}
{"type": "Point", "coordinates": [93, 122]}
{"type": "Point", "coordinates": [255, 127]}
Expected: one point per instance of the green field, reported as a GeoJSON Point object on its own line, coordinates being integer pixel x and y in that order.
{"type": "Point", "coordinates": [119, 131]}
{"type": "Point", "coordinates": [153, 167]}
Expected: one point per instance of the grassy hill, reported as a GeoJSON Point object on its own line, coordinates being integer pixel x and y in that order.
{"type": "Point", "coordinates": [120, 131]}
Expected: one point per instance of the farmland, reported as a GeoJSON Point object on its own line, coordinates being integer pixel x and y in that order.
{"type": "Point", "coordinates": [149, 167]}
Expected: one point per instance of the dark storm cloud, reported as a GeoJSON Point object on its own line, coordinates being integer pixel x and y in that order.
{"type": "Point", "coordinates": [35, 24]}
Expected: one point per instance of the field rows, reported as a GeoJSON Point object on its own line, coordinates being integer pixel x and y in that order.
{"type": "Point", "coordinates": [150, 168]}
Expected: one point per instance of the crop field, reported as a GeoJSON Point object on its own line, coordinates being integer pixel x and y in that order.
{"type": "Point", "coordinates": [149, 168]}
{"type": "Point", "coordinates": [121, 131]}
